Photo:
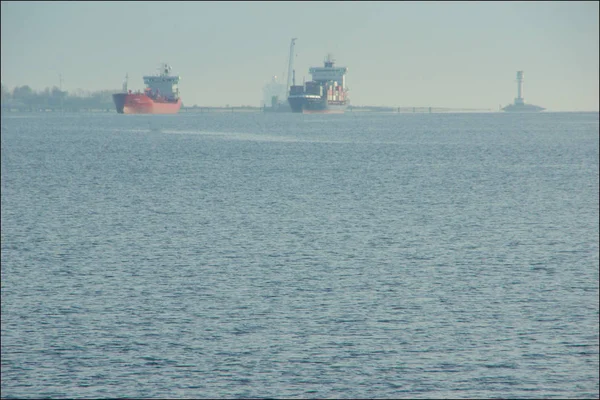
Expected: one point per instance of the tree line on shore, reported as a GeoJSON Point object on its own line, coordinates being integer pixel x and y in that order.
{"type": "Point", "coordinates": [24, 98]}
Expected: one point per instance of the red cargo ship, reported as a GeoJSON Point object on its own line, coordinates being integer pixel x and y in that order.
{"type": "Point", "coordinates": [161, 95]}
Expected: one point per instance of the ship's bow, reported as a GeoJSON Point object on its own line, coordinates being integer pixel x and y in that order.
{"type": "Point", "coordinates": [119, 100]}
{"type": "Point", "coordinates": [296, 103]}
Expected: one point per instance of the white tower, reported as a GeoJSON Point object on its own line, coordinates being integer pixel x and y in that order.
{"type": "Point", "coordinates": [519, 99]}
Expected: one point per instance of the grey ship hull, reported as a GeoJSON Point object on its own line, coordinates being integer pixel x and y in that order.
{"type": "Point", "coordinates": [308, 104]}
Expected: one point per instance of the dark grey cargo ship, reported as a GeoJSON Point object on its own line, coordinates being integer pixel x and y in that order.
{"type": "Point", "coordinates": [326, 93]}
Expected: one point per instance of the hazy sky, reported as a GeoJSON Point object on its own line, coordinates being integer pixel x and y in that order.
{"type": "Point", "coordinates": [446, 54]}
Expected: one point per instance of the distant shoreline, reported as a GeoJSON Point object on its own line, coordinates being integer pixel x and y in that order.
{"type": "Point", "coordinates": [249, 109]}
{"type": "Point", "coordinates": [237, 109]}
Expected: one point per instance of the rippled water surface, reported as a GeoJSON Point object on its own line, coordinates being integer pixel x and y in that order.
{"type": "Point", "coordinates": [300, 256]}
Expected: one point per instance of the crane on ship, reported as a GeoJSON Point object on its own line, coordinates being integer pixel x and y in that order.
{"type": "Point", "coordinates": [290, 65]}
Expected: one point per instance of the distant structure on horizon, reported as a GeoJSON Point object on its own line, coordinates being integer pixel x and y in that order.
{"type": "Point", "coordinates": [275, 93]}
{"type": "Point", "coordinates": [519, 104]}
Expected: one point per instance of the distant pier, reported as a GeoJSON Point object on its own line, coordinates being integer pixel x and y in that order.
{"type": "Point", "coordinates": [420, 110]}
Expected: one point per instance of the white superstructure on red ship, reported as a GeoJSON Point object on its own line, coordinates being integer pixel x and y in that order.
{"type": "Point", "coordinates": [161, 95]}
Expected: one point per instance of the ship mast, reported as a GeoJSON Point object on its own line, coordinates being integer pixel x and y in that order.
{"type": "Point", "coordinates": [125, 83]}
{"type": "Point", "coordinates": [290, 65]}
{"type": "Point", "coordinates": [164, 69]}
{"type": "Point", "coordinates": [329, 61]}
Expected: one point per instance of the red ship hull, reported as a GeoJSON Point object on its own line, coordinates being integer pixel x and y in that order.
{"type": "Point", "coordinates": [139, 103]}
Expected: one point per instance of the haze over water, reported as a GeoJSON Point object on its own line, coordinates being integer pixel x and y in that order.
{"type": "Point", "coordinates": [300, 256]}
{"type": "Point", "coordinates": [451, 54]}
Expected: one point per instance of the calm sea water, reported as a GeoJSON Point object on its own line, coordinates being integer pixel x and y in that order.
{"type": "Point", "coordinates": [300, 256]}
